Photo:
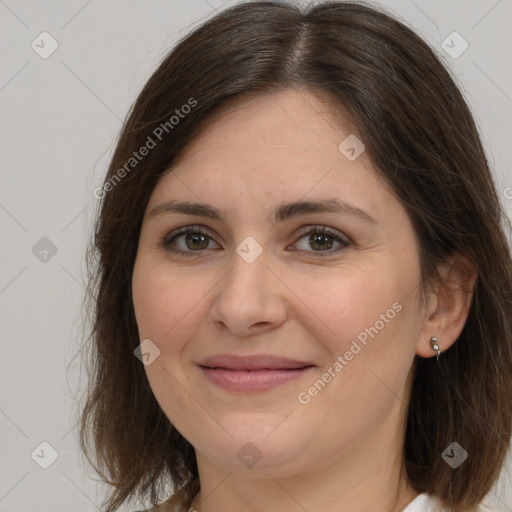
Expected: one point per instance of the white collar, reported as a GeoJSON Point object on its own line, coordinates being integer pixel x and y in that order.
{"type": "Point", "coordinates": [426, 503]}
{"type": "Point", "coordinates": [422, 503]}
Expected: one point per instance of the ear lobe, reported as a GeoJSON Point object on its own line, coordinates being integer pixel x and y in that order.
{"type": "Point", "coordinates": [449, 305]}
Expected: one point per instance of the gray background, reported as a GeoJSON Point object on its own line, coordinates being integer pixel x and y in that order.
{"type": "Point", "coordinates": [60, 118]}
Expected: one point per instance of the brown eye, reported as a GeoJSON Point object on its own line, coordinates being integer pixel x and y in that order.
{"type": "Point", "coordinates": [321, 240]}
{"type": "Point", "coordinates": [187, 241]}
{"type": "Point", "coordinates": [196, 241]}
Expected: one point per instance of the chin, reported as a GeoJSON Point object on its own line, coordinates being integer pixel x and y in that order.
{"type": "Point", "coordinates": [254, 451]}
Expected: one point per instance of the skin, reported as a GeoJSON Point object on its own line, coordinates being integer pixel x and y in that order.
{"type": "Point", "coordinates": [343, 449]}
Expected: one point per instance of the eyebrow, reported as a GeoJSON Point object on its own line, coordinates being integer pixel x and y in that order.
{"type": "Point", "coordinates": [282, 212]}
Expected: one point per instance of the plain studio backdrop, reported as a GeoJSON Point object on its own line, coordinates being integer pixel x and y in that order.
{"type": "Point", "coordinates": [70, 71]}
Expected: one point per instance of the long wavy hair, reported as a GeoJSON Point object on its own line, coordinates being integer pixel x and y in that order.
{"type": "Point", "coordinates": [421, 138]}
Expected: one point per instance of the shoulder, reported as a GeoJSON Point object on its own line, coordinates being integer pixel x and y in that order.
{"type": "Point", "coordinates": [427, 503]}
{"type": "Point", "coordinates": [422, 503]}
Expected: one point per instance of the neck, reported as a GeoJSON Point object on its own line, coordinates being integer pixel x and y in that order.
{"type": "Point", "coordinates": [274, 494]}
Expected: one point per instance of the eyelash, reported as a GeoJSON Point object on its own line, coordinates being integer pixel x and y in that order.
{"type": "Point", "coordinates": [169, 238]}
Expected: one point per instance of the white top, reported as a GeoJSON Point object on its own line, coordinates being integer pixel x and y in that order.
{"type": "Point", "coordinates": [426, 503]}
{"type": "Point", "coordinates": [422, 503]}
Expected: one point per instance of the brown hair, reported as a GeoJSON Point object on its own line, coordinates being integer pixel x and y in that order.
{"type": "Point", "coordinates": [422, 139]}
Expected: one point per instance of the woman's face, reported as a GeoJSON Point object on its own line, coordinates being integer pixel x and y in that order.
{"type": "Point", "coordinates": [341, 306]}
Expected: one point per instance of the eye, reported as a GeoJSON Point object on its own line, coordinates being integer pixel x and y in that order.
{"type": "Point", "coordinates": [322, 239]}
{"type": "Point", "coordinates": [192, 239]}
{"type": "Point", "coordinates": [189, 240]}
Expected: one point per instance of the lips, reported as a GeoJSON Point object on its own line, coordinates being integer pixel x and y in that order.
{"type": "Point", "coordinates": [255, 373]}
{"type": "Point", "coordinates": [252, 363]}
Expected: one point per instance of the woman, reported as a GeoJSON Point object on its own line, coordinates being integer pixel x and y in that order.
{"type": "Point", "coordinates": [303, 287]}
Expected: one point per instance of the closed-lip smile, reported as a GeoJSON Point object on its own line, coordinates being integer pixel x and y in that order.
{"type": "Point", "coordinates": [254, 362]}
{"type": "Point", "coordinates": [252, 373]}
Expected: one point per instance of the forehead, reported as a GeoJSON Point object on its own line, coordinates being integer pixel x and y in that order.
{"type": "Point", "coordinates": [283, 125]}
{"type": "Point", "coordinates": [278, 147]}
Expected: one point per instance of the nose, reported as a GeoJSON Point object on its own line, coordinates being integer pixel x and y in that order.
{"type": "Point", "coordinates": [250, 298]}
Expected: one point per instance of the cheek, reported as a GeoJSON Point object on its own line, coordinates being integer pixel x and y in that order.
{"type": "Point", "coordinates": [164, 310]}
{"type": "Point", "coordinates": [346, 303]}
{"type": "Point", "coordinates": [161, 299]}
{"type": "Point", "coordinates": [366, 316]}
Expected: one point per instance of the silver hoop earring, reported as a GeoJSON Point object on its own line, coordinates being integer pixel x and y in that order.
{"type": "Point", "coordinates": [435, 346]}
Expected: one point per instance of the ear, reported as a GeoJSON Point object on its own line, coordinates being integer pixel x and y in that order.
{"type": "Point", "coordinates": [448, 305]}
